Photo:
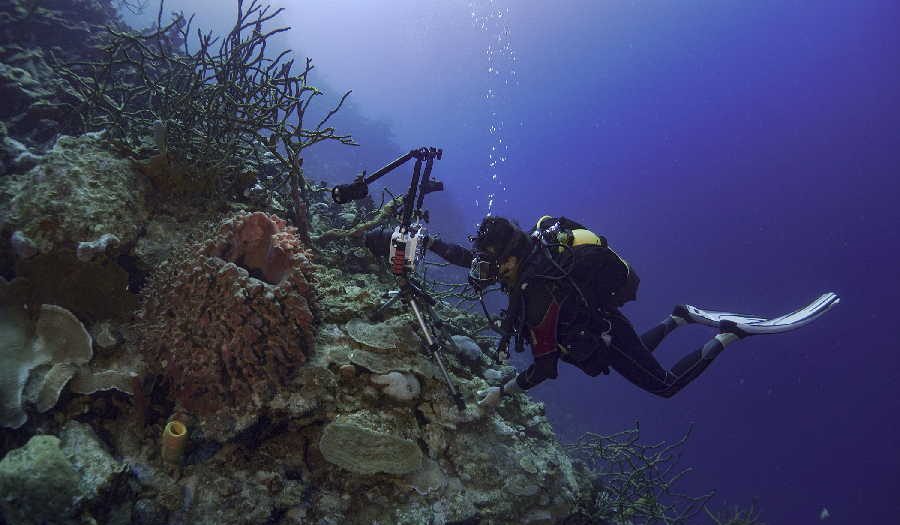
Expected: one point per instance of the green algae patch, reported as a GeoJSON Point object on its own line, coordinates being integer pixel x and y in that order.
{"type": "Point", "coordinates": [78, 192]}
{"type": "Point", "coordinates": [38, 483]}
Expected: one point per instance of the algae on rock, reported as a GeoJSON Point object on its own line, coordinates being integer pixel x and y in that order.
{"type": "Point", "coordinates": [38, 483]}
{"type": "Point", "coordinates": [51, 478]}
{"type": "Point", "coordinates": [97, 469]}
{"type": "Point", "coordinates": [78, 192]}
{"type": "Point", "coordinates": [368, 442]}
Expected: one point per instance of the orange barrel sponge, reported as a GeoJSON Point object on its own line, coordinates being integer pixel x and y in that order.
{"type": "Point", "coordinates": [174, 438]}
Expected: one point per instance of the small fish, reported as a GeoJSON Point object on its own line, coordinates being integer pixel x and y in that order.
{"type": "Point", "coordinates": [824, 515]}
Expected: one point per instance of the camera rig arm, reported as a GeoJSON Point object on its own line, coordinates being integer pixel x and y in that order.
{"type": "Point", "coordinates": [418, 188]}
{"type": "Point", "coordinates": [410, 238]}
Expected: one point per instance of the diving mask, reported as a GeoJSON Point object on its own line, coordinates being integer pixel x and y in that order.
{"type": "Point", "coordinates": [484, 270]}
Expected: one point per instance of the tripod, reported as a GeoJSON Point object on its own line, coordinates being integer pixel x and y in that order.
{"type": "Point", "coordinates": [433, 328]}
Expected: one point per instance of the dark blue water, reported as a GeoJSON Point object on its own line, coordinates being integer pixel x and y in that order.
{"type": "Point", "coordinates": [742, 155]}
{"type": "Point", "coordinates": [745, 158]}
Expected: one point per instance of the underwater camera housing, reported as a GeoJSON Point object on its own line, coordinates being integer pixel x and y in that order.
{"type": "Point", "coordinates": [407, 244]}
{"type": "Point", "coordinates": [407, 248]}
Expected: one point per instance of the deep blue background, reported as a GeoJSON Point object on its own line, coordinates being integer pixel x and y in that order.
{"type": "Point", "coordinates": [743, 158]}
{"type": "Point", "coordinates": [742, 155]}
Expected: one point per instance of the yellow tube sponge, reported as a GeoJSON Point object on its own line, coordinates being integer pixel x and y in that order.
{"type": "Point", "coordinates": [174, 438]}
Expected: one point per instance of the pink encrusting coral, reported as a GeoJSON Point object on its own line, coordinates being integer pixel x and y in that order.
{"type": "Point", "coordinates": [229, 323]}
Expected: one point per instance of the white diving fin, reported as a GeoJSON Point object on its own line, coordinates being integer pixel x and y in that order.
{"type": "Point", "coordinates": [752, 325]}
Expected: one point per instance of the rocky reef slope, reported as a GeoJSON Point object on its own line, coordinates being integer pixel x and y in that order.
{"type": "Point", "coordinates": [298, 409]}
{"type": "Point", "coordinates": [123, 311]}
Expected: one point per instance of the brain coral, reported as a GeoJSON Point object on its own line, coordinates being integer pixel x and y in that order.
{"type": "Point", "coordinates": [229, 321]}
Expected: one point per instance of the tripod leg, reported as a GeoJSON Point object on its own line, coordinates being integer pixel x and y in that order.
{"type": "Point", "coordinates": [440, 328]}
{"type": "Point", "coordinates": [434, 348]}
{"type": "Point", "coordinates": [378, 314]}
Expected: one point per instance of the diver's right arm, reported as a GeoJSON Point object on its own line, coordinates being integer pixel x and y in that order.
{"type": "Point", "coordinates": [452, 253]}
{"type": "Point", "coordinates": [379, 243]}
{"type": "Point", "coordinates": [543, 368]}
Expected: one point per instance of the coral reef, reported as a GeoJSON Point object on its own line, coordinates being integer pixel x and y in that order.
{"type": "Point", "coordinates": [51, 478]}
{"type": "Point", "coordinates": [38, 359]}
{"type": "Point", "coordinates": [97, 469]}
{"type": "Point", "coordinates": [217, 113]}
{"type": "Point", "coordinates": [367, 442]}
{"type": "Point", "coordinates": [229, 322]}
{"type": "Point", "coordinates": [15, 157]}
{"type": "Point", "coordinates": [745, 516]}
{"type": "Point", "coordinates": [95, 291]}
{"type": "Point", "coordinates": [33, 37]}
{"type": "Point", "coordinates": [397, 385]}
{"type": "Point", "coordinates": [468, 349]}
{"type": "Point", "coordinates": [90, 250]}
{"type": "Point", "coordinates": [38, 483]}
{"type": "Point", "coordinates": [69, 225]}
{"type": "Point", "coordinates": [44, 353]}
{"type": "Point", "coordinates": [419, 458]}
{"type": "Point", "coordinates": [636, 481]}
{"type": "Point", "coordinates": [78, 192]}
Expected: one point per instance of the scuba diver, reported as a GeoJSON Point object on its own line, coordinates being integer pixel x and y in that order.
{"type": "Point", "coordinates": [566, 287]}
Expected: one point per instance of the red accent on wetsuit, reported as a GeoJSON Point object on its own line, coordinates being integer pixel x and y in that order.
{"type": "Point", "coordinates": [543, 336]}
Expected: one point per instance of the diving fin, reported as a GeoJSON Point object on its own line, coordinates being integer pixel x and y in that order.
{"type": "Point", "coordinates": [752, 325]}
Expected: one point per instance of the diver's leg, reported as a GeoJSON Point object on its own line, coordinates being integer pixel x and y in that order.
{"type": "Point", "coordinates": [628, 356]}
{"type": "Point", "coordinates": [692, 365]}
{"type": "Point", "coordinates": [652, 337]}
{"type": "Point", "coordinates": [754, 325]}
{"type": "Point", "coordinates": [631, 356]}
{"type": "Point", "coordinates": [634, 361]}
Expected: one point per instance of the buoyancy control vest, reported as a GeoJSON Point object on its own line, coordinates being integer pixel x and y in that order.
{"type": "Point", "coordinates": [611, 282]}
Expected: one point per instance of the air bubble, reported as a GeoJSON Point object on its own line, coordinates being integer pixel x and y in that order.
{"type": "Point", "coordinates": [488, 16]}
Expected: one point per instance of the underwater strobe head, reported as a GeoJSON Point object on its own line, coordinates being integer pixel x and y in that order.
{"type": "Point", "coordinates": [432, 186]}
{"type": "Point", "coordinates": [344, 193]}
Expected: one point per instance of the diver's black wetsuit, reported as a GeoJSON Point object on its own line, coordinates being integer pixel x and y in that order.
{"type": "Point", "coordinates": [577, 338]}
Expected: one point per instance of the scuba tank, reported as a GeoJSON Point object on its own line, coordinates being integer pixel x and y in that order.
{"type": "Point", "coordinates": [559, 234]}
